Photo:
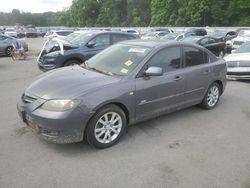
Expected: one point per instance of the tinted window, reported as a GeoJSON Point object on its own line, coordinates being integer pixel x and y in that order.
{"type": "Point", "coordinates": [169, 59]}
{"type": "Point", "coordinates": [204, 41]}
{"type": "Point", "coordinates": [211, 41]}
{"type": "Point", "coordinates": [194, 56]}
{"type": "Point", "coordinates": [101, 40]}
{"type": "Point", "coordinates": [120, 37]}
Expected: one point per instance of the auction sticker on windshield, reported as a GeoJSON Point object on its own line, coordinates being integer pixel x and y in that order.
{"type": "Point", "coordinates": [139, 50]}
{"type": "Point", "coordinates": [128, 63]}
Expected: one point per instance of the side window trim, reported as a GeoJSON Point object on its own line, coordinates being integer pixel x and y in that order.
{"type": "Point", "coordinates": [145, 66]}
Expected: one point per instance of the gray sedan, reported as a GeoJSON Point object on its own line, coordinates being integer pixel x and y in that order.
{"type": "Point", "coordinates": [127, 83]}
{"type": "Point", "coordinates": [6, 45]}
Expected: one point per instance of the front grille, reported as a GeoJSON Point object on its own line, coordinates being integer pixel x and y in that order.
{"type": "Point", "coordinates": [238, 43]}
{"type": "Point", "coordinates": [28, 99]}
{"type": "Point", "coordinates": [238, 64]}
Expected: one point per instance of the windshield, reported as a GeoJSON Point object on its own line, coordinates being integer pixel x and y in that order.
{"type": "Point", "coordinates": [120, 59]}
{"type": "Point", "coordinates": [244, 48]}
{"type": "Point", "coordinates": [81, 39]}
{"type": "Point", "coordinates": [219, 34]}
{"type": "Point", "coordinates": [170, 36]}
{"type": "Point", "coordinates": [191, 39]}
{"type": "Point", "coordinates": [71, 36]}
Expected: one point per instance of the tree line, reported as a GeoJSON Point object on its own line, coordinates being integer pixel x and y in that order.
{"type": "Point", "coordinates": [138, 13]}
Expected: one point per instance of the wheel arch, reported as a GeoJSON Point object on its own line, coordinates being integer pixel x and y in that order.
{"type": "Point", "coordinates": [119, 104]}
{"type": "Point", "coordinates": [5, 51]}
{"type": "Point", "coordinates": [80, 60]}
{"type": "Point", "coordinates": [221, 85]}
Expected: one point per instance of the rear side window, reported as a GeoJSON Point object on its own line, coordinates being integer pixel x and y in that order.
{"type": "Point", "coordinates": [195, 56]}
{"type": "Point", "coordinates": [169, 59]}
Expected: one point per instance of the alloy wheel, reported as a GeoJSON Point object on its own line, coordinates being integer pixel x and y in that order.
{"type": "Point", "coordinates": [213, 96]}
{"type": "Point", "coordinates": [108, 127]}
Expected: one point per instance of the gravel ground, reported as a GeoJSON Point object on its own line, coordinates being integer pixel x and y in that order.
{"type": "Point", "coordinates": [190, 148]}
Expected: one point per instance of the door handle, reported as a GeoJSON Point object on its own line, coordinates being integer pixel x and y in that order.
{"type": "Point", "coordinates": [206, 72]}
{"type": "Point", "coordinates": [178, 78]}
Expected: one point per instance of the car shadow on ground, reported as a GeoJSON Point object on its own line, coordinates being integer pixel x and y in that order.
{"type": "Point", "coordinates": [157, 127]}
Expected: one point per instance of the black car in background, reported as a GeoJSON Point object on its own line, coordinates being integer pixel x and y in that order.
{"type": "Point", "coordinates": [215, 45]}
{"type": "Point", "coordinates": [59, 53]}
{"type": "Point", "coordinates": [198, 31]}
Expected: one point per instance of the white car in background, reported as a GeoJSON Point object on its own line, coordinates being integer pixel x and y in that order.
{"type": "Point", "coordinates": [11, 32]}
{"type": "Point", "coordinates": [61, 34]}
{"type": "Point", "coordinates": [243, 36]}
{"type": "Point", "coordinates": [154, 35]}
{"type": "Point", "coordinates": [238, 63]}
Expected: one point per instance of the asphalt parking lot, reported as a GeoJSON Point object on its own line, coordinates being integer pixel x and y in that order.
{"type": "Point", "coordinates": [190, 148]}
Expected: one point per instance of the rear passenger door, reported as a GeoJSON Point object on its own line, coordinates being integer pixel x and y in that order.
{"type": "Point", "coordinates": [97, 44]}
{"type": "Point", "coordinates": [197, 74]}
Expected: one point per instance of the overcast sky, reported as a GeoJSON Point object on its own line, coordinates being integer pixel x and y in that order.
{"type": "Point", "coordinates": [34, 6]}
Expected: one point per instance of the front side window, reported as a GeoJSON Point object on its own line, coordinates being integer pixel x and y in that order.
{"type": "Point", "coordinates": [81, 39]}
{"type": "Point", "coordinates": [194, 56]}
{"type": "Point", "coordinates": [101, 40]}
{"type": "Point", "coordinates": [169, 59]}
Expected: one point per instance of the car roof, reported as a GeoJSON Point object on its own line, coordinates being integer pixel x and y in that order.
{"type": "Point", "coordinates": [157, 43]}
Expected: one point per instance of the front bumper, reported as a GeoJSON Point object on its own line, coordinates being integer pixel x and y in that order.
{"type": "Point", "coordinates": [45, 67]}
{"type": "Point", "coordinates": [57, 127]}
{"type": "Point", "coordinates": [238, 73]}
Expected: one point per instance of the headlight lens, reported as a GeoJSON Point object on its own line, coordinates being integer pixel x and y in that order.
{"type": "Point", "coordinates": [60, 105]}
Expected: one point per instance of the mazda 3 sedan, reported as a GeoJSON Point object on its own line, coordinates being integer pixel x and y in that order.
{"type": "Point", "coordinates": [127, 83]}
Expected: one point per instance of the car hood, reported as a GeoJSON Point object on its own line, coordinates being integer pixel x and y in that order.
{"type": "Point", "coordinates": [68, 82]}
{"type": "Point", "coordinates": [238, 57]}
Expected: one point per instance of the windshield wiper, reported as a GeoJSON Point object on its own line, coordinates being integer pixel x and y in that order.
{"type": "Point", "coordinates": [100, 71]}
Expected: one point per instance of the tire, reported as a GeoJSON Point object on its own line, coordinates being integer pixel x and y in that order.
{"type": "Point", "coordinates": [71, 62]}
{"type": "Point", "coordinates": [101, 132]}
{"type": "Point", "coordinates": [8, 51]}
{"type": "Point", "coordinates": [211, 97]}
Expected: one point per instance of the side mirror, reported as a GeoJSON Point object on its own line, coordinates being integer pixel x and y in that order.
{"type": "Point", "coordinates": [90, 44]}
{"type": "Point", "coordinates": [153, 71]}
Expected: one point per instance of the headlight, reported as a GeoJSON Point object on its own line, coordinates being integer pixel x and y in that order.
{"type": "Point", "coordinates": [60, 105]}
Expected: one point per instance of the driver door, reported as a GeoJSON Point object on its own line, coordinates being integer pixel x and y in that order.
{"type": "Point", "coordinates": [158, 94]}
